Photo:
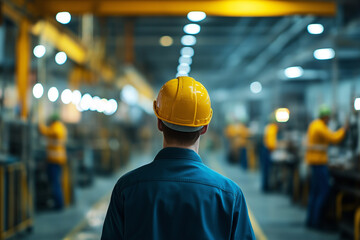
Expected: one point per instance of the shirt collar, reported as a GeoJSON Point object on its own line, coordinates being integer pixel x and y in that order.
{"type": "Point", "coordinates": [171, 153]}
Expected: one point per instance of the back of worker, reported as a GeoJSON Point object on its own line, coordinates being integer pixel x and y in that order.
{"type": "Point", "coordinates": [319, 136]}
{"type": "Point", "coordinates": [176, 196]}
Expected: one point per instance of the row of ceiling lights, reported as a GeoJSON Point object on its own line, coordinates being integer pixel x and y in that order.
{"type": "Point", "coordinates": [297, 71]}
{"type": "Point", "coordinates": [319, 54]}
{"type": "Point", "coordinates": [82, 102]}
{"type": "Point", "coordinates": [189, 40]}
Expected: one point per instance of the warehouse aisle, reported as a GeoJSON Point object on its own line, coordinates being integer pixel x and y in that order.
{"type": "Point", "coordinates": [273, 215]}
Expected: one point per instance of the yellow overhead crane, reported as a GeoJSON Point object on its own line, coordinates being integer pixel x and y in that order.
{"type": "Point", "coordinates": [228, 8]}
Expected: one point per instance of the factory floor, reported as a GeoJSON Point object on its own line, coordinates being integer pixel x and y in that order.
{"type": "Point", "coordinates": [273, 215]}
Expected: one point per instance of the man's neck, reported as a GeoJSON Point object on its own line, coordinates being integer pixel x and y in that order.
{"type": "Point", "coordinates": [194, 147]}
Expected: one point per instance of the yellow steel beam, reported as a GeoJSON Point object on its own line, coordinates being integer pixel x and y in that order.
{"type": "Point", "coordinates": [63, 41]}
{"type": "Point", "coordinates": [61, 38]}
{"type": "Point", "coordinates": [229, 8]}
{"type": "Point", "coordinates": [23, 66]}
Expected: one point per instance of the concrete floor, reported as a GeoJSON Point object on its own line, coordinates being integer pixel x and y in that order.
{"type": "Point", "coordinates": [274, 216]}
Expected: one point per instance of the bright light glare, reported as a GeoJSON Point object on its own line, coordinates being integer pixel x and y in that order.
{"type": "Point", "coordinates": [282, 115]}
{"type": "Point", "coordinates": [66, 96]}
{"type": "Point", "coordinates": [188, 40]}
{"type": "Point", "coordinates": [324, 54]}
{"type": "Point", "coordinates": [86, 102]}
{"type": "Point", "coordinates": [95, 102]}
{"type": "Point", "coordinates": [39, 51]}
{"type": "Point", "coordinates": [38, 90]}
{"type": "Point", "coordinates": [196, 16]}
{"type": "Point", "coordinates": [60, 58]}
{"type": "Point", "coordinates": [166, 41]}
{"type": "Point", "coordinates": [129, 95]}
{"type": "Point", "coordinates": [255, 87]}
{"type": "Point", "coordinates": [187, 52]}
{"type": "Point", "coordinates": [76, 97]}
{"type": "Point", "coordinates": [192, 28]}
{"type": "Point", "coordinates": [102, 105]}
{"type": "Point", "coordinates": [53, 94]}
{"type": "Point", "coordinates": [294, 72]}
{"type": "Point", "coordinates": [315, 28]}
{"type": "Point", "coordinates": [111, 107]}
{"type": "Point", "coordinates": [63, 17]}
{"type": "Point", "coordinates": [187, 60]}
{"type": "Point", "coordinates": [184, 68]}
{"type": "Point", "coordinates": [357, 104]}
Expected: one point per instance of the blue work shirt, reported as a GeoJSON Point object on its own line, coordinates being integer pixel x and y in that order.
{"type": "Point", "coordinates": [176, 197]}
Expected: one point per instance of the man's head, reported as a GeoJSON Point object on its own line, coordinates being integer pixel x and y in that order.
{"type": "Point", "coordinates": [184, 111]}
{"type": "Point", "coordinates": [325, 113]}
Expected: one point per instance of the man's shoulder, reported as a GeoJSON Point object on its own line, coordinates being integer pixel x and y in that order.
{"type": "Point", "coordinates": [222, 182]}
{"type": "Point", "coordinates": [200, 174]}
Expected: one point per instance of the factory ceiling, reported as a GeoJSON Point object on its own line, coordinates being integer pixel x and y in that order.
{"type": "Point", "coordinates": [239, 42]}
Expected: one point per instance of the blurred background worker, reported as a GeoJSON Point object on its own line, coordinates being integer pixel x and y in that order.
{"type": "Point", "coordinates": [319, 136]}
{"type": "Point", "coordinates": [270, 144]}
{"type": "Point", "coordinates": [238, 134]}
{"type": "Point", "coordinates": [56, 156]}
{"type": "Point", "coordinates": [176, 196]}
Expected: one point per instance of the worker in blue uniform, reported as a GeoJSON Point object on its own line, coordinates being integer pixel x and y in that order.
{"type": "Point", "coordinates": [176, 196]}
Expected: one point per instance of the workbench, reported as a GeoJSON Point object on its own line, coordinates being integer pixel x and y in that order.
{"type": "Point", "coordinates": [347, 182]}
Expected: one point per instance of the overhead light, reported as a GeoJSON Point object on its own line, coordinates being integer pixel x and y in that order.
{"type": "Point", "coordinates": [53, 94]}
{"type": "Point", "coordinates": [187, 52]}
{"type": "Point", "coordinates": [129, 95]}
{"type": "Point", "coordinates": [111, 107]}
{"type": "Point", "coordinates": [60, 58]}
{"type": "Point", "coordinates": [39, 51]}
{"type": "Point", "coordinates": [166, 41]}
{"type": "Point", "coordinates": [86, 102]}
{"type": "Point", "coordinates": [315, 28]}
{"type": "Point", "coordinates": [196, 16]}
{"type": "Point", "coordinates": [192, 28]}
{"type": "Point", "coordinates": [94, 103]}
{"type": "Point", "coordinates": [357, 104]}
{"type": "Point", "coordinates": [188, 40]}
{"type": "Point", "coordinates": [76, 97]}
{"type": "Point", "coordinates": [185, 59]}
{"type": "Point", "coordinates": [182, 73]}
{"type": "Point", "coordinates": [255, 87]}
{"type": "Point", "coordinates": [294, 72]}
{"type": "Point", "coordinates": [324, 54]}
{"type": "Point", "coordinates": [38, 90]}
{"type": "Point", "coordinates": [282, 115]}
{"type": "Point", "coordinates": [102, 105]}
{"type": "Point", "coordinates": [184, 68]}
{"type": "Point", "coordinates": [63, 17]}
{"type": "Point", "coordinates": [66, 96]}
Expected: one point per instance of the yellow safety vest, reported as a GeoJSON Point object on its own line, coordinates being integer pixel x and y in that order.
{"type": "Point", "coordinates": [319, 136]}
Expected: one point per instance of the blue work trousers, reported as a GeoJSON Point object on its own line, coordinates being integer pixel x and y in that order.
{"type": "Point", "coordinates": [243, 158]}
{"type": "Point", "coordinates": [265, 168]}
{"type": "Point", "coordinates": [54, 174]}
{"type": "Point", "coordinates": [319, 193]}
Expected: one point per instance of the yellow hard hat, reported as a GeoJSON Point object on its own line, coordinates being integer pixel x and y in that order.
{"type": "Point", "coordinates": [183, 102]}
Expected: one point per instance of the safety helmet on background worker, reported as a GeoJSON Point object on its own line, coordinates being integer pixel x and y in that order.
{"type": "Point", "coordinates": [54, 117]}
{"type": "Point", "coordinates": [183, 104]}
{"type": "Point", "coordinates": [324, 111]}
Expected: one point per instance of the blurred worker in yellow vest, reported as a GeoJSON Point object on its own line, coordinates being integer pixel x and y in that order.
{"type": "Point", "coordinates": [319, 136]}
{"type": "Point", "coordinates": [56, 134]}
{"type": "Point", "coordinates": [269, 145]}
{"type": "Point", "coordinates": [238, 134]}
